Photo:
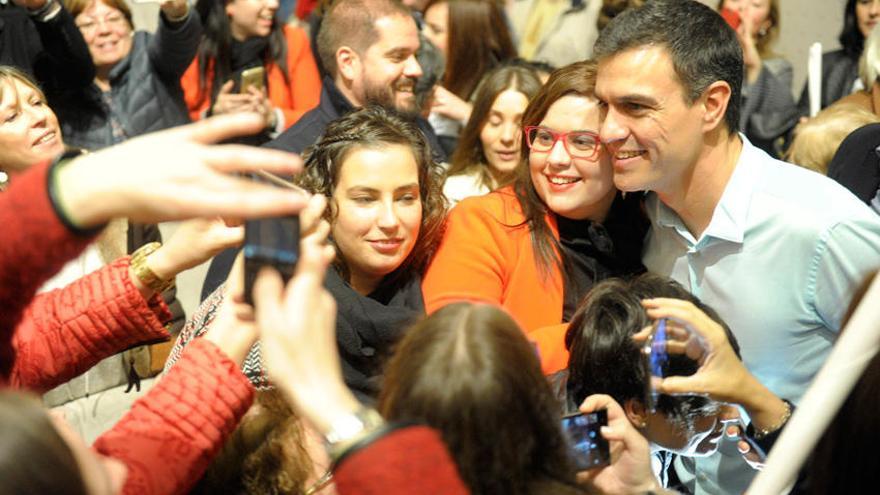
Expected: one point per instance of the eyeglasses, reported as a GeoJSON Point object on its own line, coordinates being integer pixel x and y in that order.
{"type": "Point", "coordinates": [578, 144]}
{"type": "Point", "coordinates": [91, 24]}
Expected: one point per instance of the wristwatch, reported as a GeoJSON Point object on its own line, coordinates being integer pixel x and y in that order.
{"type": "Point", "coordinates": [351, 428]}
{"type": "Point", "coordinates": [143, 272]}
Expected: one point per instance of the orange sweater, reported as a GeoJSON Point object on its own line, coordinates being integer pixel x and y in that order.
{"type": "Point", "coordinates": [294, 99]}
{"type": "Point", "coordinates": [486, 256]}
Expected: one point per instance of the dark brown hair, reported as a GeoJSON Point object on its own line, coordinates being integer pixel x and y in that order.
{"type": "Point", "coordinates": [479, 40]}
{"type": "Point", "coordinates": [352, 23]}
{"type": "Point", "coordinates": [265, 454]}
{"type": "Point", "coordinates": [576, 79]}
{"type": "Point", "coordinates": [468, 371]}
{"type": "Point", "coordinates": [469, 156]}
{"type": "Point", "coordinates": [76, 7]}
{"type": "Point", "coordinates": [375, 127]}
{"type": "Point", "coordinates": [33, 456]}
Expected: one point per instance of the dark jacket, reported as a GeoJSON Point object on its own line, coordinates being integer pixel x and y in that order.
{"type": "Point", "coordinates": [333, 105]}
{"type": "Point", "coordinates": [145, 94]}
{"type": "Point", "coordinates": [53, 51]}
{"type": "Point", "coordinates": [839, 73]}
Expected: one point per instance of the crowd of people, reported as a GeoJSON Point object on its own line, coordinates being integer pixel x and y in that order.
{"type": "Point", "coordinates": [504, 211]}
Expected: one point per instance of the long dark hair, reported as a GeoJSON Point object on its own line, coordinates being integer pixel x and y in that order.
{"type": "Point", "coordinates": [373, 127]}
{"type": "Point", "coordinates": [851, 38]}
{"type": "Point", "coordinates": [468, 371]}
{"type": "Point", "coordinates": [576, 79]}
{"type": "Point", "coordinates": [479, 40]}
{"type": "Point", "coordinates": [469, 155]}
{"type": "Point", "coordinates": [215, 51]}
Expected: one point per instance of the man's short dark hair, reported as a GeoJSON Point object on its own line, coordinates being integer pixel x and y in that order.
{"type": "Point", "coordinates": [703, 48]}
{"type": "Point", "coordinates": [352, 23]}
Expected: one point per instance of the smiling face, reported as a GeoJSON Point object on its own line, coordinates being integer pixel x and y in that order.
{"type": "Point", "coordinates": [576, 188]}
{"type": "Point", "coordinates": [29, 131]}
{"type": "Point", "coordinates": [654, 136]}
{"type": "Point", "coordinates": [377, 212]}
{"type": "Point", "coordinates": [500, 135]}
{"type": "Point", "coordinates": [107, 33]}
{"type": "Point", "coordinates": [867, 15]}
{"type": "Point", "coordinates": [251, 18]}
{"type": "Point", "coordinates": [388, 68]}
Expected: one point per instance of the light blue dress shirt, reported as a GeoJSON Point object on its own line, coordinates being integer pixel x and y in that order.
{"type": "Point", "coordinates": [780, 260]}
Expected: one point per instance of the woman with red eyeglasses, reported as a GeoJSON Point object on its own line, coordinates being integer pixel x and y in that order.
{"type": "Point", "coordinates": [537, 246]}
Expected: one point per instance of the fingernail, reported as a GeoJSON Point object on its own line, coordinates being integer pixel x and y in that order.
{"type": "Point", "coordinates": [607, 430]}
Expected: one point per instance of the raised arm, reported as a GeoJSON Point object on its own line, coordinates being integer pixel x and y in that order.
{"type": "Point", "coordinates": [64, 61]}
{"type": "Point", "coordinates": [173, 47]}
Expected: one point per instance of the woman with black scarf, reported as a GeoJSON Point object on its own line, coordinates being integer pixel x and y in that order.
{"type": "Point", "coordinates": [386, 212]}
{"type": "Point", "coordinates": [245, 34]}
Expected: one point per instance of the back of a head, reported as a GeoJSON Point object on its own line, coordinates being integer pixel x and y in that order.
{"type": "Point", "coordinates": [604, 359]}
{"type": "Point", "coordinates": [817, 140]}
{"type": "Point", "coordinates": [468, 371]}
{"type": "Point", "coordinates": [33, 456]}
{"type": "Point", "coordinates": [702, 47]}
{"type": "Point", "coordinates": [352, 23]}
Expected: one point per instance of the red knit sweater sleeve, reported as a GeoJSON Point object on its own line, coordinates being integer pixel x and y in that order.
{"type": "Point", "coordinates": [409, 460]}
{"type": "Point", "coordinates": [67, 331]}
{"type": "Point", "coordinates": [35, 246]}
{"type": "Point", "coordinates": [170, 436]}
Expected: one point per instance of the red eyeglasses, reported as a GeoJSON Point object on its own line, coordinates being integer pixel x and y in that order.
{"type": "Point", "coordinates": [578, 144]}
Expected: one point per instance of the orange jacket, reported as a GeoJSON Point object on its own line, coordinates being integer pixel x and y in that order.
{"type": "Point", "coordinates": [486, 256]}
{"type": "Point", "coordinates": [294, 99]}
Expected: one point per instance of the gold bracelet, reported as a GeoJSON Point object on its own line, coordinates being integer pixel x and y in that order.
{"type": "Point", "coordinates": [763, 432]}
{"type": "Point", "coordinates": [143, 272]}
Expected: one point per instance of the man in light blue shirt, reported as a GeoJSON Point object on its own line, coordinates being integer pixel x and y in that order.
{"type": "Point", "coordinates": [777, 250]}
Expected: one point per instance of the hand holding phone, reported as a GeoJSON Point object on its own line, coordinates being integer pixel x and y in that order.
{"type": "Point", "coordinates": [252, 78]}
{"type": "Point", "coordinates": [272, 242]}
{"type": "Point", "coordinates": [588, 447]}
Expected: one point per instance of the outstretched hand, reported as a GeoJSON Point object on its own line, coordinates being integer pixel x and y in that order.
{"type": "Point", "coordinates": [177, 174]}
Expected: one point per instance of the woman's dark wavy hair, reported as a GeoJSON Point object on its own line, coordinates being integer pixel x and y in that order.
{"type": "Point", "coordinates": [603, 358]}
{"type": "Point", "coordinates": [469, 155]}
{"type": "Point", "coordinates": [468, 371]}
{"type": "Point", "coordinates": [215, 51]}
{"type": "Point", "coordinates": [577, 79]}
{"type": "Point", "coordinates": [479, 40]}
{"type": "Point", "coordinates": [34, 458]}
{"type": "Point", "coordinates": [375, 127]}
{"type": "Point", "coordinates": [851, 38]}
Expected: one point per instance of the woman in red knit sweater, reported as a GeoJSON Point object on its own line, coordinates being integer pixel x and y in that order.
{"type": "Point", "coordinates": [536, 247]}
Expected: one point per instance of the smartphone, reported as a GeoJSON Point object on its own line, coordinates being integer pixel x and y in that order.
{"type": "Point", "coordinates": [272, 242]}
{"type": "Point", "coordinates": [656, 362]}
{"type": "Point", "coordinates": [588, 447]}
{"type": "Point", "coordinates": [732, 17]}
{"type": "Point", "coordinates": [252, 78]}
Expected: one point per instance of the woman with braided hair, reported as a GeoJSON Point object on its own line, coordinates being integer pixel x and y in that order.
{"type": "Point", "coordinates": [386, 211]}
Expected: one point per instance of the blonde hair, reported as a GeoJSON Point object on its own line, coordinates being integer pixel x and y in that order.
{"type": "Point", "coordinates": [816, 140]}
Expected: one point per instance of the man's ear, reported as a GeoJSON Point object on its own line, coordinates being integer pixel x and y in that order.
{"type": "Point", "coordinates": [348, 63]}
{"type": "Point", "coordinates": [636, 413]}
{"type": "Point", "coordinates": [715, 99]}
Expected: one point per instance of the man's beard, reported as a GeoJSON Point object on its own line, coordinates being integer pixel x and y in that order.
{"type": "Point", "coordinates": [384, 96]}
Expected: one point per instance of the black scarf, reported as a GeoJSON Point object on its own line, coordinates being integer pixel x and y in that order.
{"type": "Point", "coordinates": [593, 251]}
{"type": "Point", "coordinates": [368, 326]}
{"type": "Point", "coordinates": [245, 55]}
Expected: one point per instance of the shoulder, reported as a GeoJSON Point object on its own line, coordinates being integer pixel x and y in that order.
{"type": "Point", "coordinates": [295, 36]}
{"type": "Point", "coordinates": [501, 205]}
{"type": "Point", "coordinates": [778, 65]}
{"type": "Point", "coordinates": [461, 186]}
{"type": "Point", "coordinates": [302, 134]}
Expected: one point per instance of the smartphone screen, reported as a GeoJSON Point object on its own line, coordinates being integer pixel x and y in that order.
{"type": "Point", "coordinates": [270, 242]}
{"type": "Point", "coordinates": [656, 362]}
{"type": "Point", "coordinates": [588, 447]}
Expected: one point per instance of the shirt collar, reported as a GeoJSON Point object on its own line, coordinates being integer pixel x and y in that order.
{"type": "Point", "coordinates": [729, 221]}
